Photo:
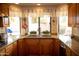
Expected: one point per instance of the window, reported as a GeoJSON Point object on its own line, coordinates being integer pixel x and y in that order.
{"type": "Point", "coordinates": [33, 24]}
{"type": "Point", "coordinates": [14, 26]}
{"type": "Point", "coordinates": [39, 25]}
{"type": "Point", "coordinates": [44, 24]}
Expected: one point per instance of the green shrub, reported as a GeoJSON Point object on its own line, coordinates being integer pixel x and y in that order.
{"type": "Point", "coordinates": [33, 32]}
{"type": "Point", "coordinates": [46, 32]}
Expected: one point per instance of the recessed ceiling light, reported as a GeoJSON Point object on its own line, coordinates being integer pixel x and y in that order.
{"type": "Point", "coordinates": [16, 3]}
{"type": "Point", "coordinates": [38, 4]}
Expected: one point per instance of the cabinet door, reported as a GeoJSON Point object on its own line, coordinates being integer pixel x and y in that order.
{"type": "Point", "coordinates": [20, 47]}
{"type": "Point", "coordinates": [68, 51]}
{"type": "Point", "coordinates": [9, 50]}
{"type": "Point", "coordinates": [73, 54]}
{"type": "Point", "coordinates": [15, 48]}
{"type": "Point", "coordinates": [32, 47]}
{"type": "Point", "coordinates": [2, 52]}
{"type": "Point", "coordinates": [4, 9]}
{"type": "Point", "coordinates": [1, 21]}
{"type": "Point", "coordinates": [46, 47]}
{"type": "Point", "coordinates": [72, 13]}
{"type": "Point", "coordinates": [77, 21]}
{"type": "Point", "coordinates": [56, 44]}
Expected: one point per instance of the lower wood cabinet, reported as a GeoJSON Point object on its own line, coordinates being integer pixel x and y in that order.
{"type": "Point", "coordinates": [2, 52]}
{"type": "Point", "coordinates": [68, 52]}
{"type": "Point", "coordinates": [32, 47]}
{"type": "Point", "coordinates": [15, 49]}
{"type": "Point", "coordinates": [46, 47]}
{"type": "Point", "coordinates": [38, 47]}
{"type": "Point", "coordinates": [9, 50]}
{"type": "Point", "coordinates": [73, 54]}
{"type": "Point", "coordinates": [56, 47]}
{"type": "Point", "coordinates": [20, 47]}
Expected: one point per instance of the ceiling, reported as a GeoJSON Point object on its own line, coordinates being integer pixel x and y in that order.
{"type": "Point", "coordinates": [42, 4]}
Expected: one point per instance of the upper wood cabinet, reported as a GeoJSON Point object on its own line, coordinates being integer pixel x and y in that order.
{"type": "Point", "coordinates": [4, 21]}
{"type": "Point", "coordinates": [4, 9]}
{"type": "Point", "coordinates": [77, 18]}
{"type": "Point", "coordinates": [72, 14]}
{"type": "Point", "coordinates": [1, 21]}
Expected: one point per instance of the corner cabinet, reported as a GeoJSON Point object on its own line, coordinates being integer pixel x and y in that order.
{"type": "Point", "coordinates": [72, 14]}
{"type": "Point", "coordinates": [77, 18]}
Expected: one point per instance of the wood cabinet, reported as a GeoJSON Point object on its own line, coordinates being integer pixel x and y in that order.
{"type": "Point", "coordinates": [68, 51]}
{"type": "Point", "coordinates": [32, 47]}
{"type": "Point", "coordinates": [1, 21]}
{"type": "Point", "coordinates": [72, 14]}
{"type": "Point", "coordinates": [4, 9]}
{"type": "Point", "coordinates": [9, 50]}
{"type": "Point", "coordinates": [38, 47]}
{"type": "Point", "coordinates": [20, 47]}
{"type": "Point", "coordinates": [73, 54]}
{"type": "Point", "coordinates": [56, 48]}
{"type": "Point", "coordinates": [15, 49]}
{"type": "Point", "coordinates": [2, 52]}
{"type": "Point", "coordinates": [46, 47]}
{"type": "Point", "coordinates": [77, 18]}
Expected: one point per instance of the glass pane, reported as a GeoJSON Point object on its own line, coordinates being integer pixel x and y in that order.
{"type": "Point", "coordinates": [63, 24]}
{"type": "Point", "coordinates": [45, 24]}
{"type": "Point", "coordinates": [33, 25]}
{"type": "Point", "coordinates": [14, 28]}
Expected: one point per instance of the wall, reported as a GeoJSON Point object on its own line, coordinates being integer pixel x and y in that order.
{"type": "Point", "coordinates": [55, 12]}
{"type": "Point", "coordinates": [62, 10]}
{"type": "Point", "coordinates": [15, 17]}
{"type": "Point", "coordinates": [22, 12]}
{"type": "Point", "coordinates": [40, 10]}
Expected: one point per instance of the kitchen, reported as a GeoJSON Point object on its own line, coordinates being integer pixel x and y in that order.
{"type": "Point", "coordinates": [45, 29]}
